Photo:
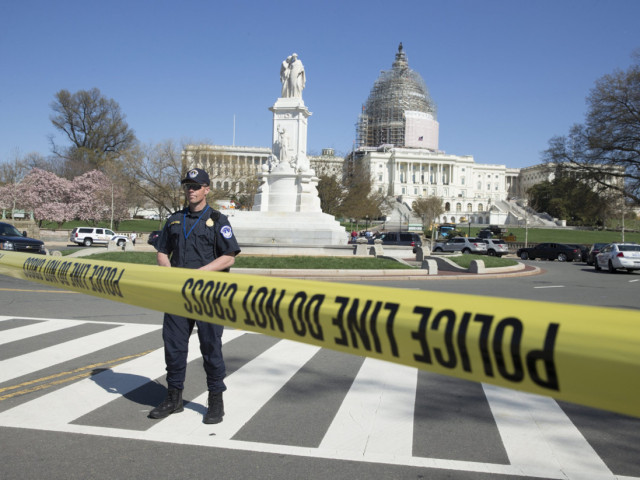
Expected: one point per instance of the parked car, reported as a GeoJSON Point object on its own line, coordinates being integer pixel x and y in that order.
{"type": "Point", "coordinates": [619, 255]}
{"type": "Point", "coordinates": [550, 251]}
{"type": "Point", "coordinates": [593, 251]}
{"type": "Point", "coordinates": [12, 240]}
{"type": "Point", "coordinates": [405, 239]}
{"type": "Point", "coordinates": [87, 236]}
{"type": "Point", "coordinates": [153, 237]}
{"type": "Point", "coordinates": [462, 244]}
{"type": "Point", "coordinates": [584, 251]}
{"type": "Point", "coordinates": [496, 247]}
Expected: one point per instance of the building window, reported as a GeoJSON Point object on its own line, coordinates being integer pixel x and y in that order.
{"type": "Point", "coordinates": [447, 207]}
{"type": "Point", "coordinates": [458, 207]}
{"type": "Point", "coordinates": [469, 207]}
{"type": "Point", "coordinates": [480, 207]}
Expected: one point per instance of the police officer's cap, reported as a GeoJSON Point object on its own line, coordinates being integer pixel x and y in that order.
{"type": "Point", "coordinates": [196, 175]}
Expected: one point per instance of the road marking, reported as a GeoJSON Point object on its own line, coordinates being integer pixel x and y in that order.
{"type": "Point", "coordinates": [249, 388]}
{"type": "Point", "coordinates": [30, 362]}
{"type": "Point", "coordinates": [34, 290]}
{"type": "Point", "coordinates": [377, 415]}
{"type": "Point", "coordinates": [551, 286]}
{"type": "Point", "coordinates": [68, 376]}
{"type": "Point", "coordinates": [540, 439]}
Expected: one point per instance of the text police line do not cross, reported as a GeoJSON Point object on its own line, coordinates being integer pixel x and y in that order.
{"type": "Point", "coordinates": [564, 351]}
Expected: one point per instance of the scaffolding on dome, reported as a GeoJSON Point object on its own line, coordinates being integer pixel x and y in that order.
{"type": "Point", "coordinates": [396, 91]}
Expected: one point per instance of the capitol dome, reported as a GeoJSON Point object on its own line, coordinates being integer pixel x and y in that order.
{"type": "Point", "coordinates": [399, 110]}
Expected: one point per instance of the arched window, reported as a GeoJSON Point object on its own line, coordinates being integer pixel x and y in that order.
{"type": "Point", "coordinates": [458, 207]}
{"type": "Point", "coordinates": [447, 207]}
{"type": "Point", "coordinates": [480, 207]}
{"type": "Point", "coordinates": [469, 207]}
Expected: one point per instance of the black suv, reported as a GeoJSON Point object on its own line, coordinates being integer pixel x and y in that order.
{"type": "Point", "coordinates": [405, 239]}
{"type": "Point", "coordinates": [11, 239]}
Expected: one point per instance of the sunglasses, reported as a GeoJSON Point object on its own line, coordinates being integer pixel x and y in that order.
{"type": "Point", "coordinates": [192, 186]}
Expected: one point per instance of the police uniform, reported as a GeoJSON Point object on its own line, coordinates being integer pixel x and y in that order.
{"type": "Point", "coordinates": [191, 240]}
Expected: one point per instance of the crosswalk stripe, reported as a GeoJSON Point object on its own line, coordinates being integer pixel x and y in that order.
{"type": "Point", "coordinates": [39, 328]}
{"type": "Point", "coordinates": [540, 439]}
{"type": "Point", "coordinates": [56, 409]}
{"type": "Point", "coordinates": [249, 388]}
{"type": "Point", "coordinates": [377, 414]}
{"type": "Point", "coordinates": [30, 362]}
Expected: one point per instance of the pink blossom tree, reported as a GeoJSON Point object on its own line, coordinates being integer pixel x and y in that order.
{"type": "Point", "coordinates": [94, 196]}
{"type": "Point", "coordinates": [47, 195]}
{"type": "Point", "coordinates": [8, 197]}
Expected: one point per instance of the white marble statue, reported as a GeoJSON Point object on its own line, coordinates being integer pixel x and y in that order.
{"type": "Point", "coordinates": [292, 76]}
{"type": "Point", "coordinates": [283, 145]}
{"type": "Point", "coordinates": [284, 76]}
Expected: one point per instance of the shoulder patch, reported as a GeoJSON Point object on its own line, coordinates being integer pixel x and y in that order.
{"type": "Point", "coordinates": [175, 222]}
{"type": "Point", "coordinates": [226, 231]}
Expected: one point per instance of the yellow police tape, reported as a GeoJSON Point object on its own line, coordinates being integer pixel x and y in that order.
{"type": "Point", "coordinates": [585, 355]}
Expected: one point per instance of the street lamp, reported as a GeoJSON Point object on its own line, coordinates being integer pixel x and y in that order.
{"type": "Point", "coordinates": [526, 228]}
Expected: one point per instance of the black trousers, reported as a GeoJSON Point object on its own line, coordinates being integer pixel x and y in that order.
{"type": "Point", "coordinates": [176, 331]}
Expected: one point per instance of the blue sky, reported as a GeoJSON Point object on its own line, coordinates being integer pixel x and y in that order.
{"type": "Point", "coordinates": [506, 75]}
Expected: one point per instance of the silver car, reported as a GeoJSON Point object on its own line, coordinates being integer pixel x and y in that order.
{"type": "Point", "coordinates": [619, 255]}
{"type": "Point", "coordinates": [496, 247]}
{"type": "Point", "coordinates": [462, 244]}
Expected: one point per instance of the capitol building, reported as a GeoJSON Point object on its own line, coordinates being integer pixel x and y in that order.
{"type": "Point", "coordinates": [397, 140]}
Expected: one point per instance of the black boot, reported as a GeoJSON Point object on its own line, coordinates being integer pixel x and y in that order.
{"type": "Point", "coordinates": [171, 404]}
{"type": "Point", "coordinates": [215, 412]}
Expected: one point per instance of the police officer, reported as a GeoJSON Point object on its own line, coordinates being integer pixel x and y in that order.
{"type": "Point", "coordinates": [195, 237]}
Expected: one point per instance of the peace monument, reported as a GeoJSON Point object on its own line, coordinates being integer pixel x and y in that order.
{"type": "Point", "coordinates": [287, 207]}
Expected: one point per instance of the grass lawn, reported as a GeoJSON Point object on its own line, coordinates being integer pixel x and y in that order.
{"type": "Point", "coordinates": [489, 262]}
{"type": "Point", "coordinates": [330, 263]}
{"type": "Point", "coordinates": [310, 263]}
{"type": "Point", "coordinates": [559, 235]}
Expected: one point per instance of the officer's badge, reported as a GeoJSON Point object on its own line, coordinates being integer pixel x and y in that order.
{"type": "Point", "coordinates": [209, 223]}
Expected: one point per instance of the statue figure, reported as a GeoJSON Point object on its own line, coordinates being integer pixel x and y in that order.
{"type": "Point", "coordinates": [297, 78]}
{"type": "Point", "coordinates": [284, 76]}
{"type": "Point", "coordinates": [292, 76]}
{"type": "Point", "coordinates": [283, 144]}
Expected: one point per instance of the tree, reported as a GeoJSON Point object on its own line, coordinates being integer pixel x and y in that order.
{"type": "Point", "coordinates": [47, 195]}
{"type": "Point", "coordinates": [156, 171]}
{"type": "Point", "coordinates": [428, 208]}
{"type": "Point", "coordinates": [605, 150]}
{"type": "Point", "coordinates": [94, 125]}
{"type": "Point", "coordinates": [359, 203]}
{"type": "Point", "coordinates": [96, 198]}
{"type": "Point", "coordinates": [571, 199]}
{"type": "Point", "coordinates": [331, 194]}
{"type": "Point", "coordinates": [244, 199]}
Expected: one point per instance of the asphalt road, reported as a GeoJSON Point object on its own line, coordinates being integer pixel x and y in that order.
{"type": "Point", "coordinates": [78, 375]}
